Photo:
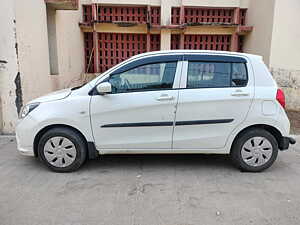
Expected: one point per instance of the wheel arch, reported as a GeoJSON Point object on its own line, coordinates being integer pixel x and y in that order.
{"type": "Point", "coordinates": [272, 130]}
{"type": "Point", "coordinates": [90, 146]}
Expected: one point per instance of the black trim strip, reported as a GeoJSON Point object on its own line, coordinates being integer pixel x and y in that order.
{"type": "Point", "coordinates": [144, 124]}
{"type": "Point", "coordinates": [214, 58]}
{"type": "Point", "coordinates": [200, 122]}
{"type": "Point", "coordinates": [158, 124]}
{"type": "Point", "coordinates": [147, 60]}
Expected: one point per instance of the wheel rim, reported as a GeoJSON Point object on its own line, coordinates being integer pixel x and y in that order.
{"type": "Point", "coordinates": [257, 151]}
{"type": "Point", "coordinates": [60, 151]}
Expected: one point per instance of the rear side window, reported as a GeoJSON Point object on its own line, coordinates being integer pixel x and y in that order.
{"type": "Point", "coordinates": [239, 76]}
{"type": "Point", "coordinates": [216, 75]}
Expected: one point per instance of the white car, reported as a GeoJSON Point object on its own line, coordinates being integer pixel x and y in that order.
{"type": "Point", "coordinates": [162, 102]}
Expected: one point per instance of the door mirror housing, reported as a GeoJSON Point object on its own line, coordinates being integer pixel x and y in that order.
{"type": "Point", "coordinates": [104, 88]}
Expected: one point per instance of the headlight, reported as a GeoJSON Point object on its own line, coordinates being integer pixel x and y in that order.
{"type": "Point", "coordinates": [27, 109]}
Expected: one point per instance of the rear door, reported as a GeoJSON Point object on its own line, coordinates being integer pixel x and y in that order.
{"type": "Point", "coordinates": [215, 97]}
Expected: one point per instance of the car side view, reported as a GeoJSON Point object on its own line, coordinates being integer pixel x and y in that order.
{"type": "Point", "coordinates": [181, 101]}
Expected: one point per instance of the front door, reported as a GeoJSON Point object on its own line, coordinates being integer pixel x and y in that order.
{"type": "Point", "coordinates": [216, 96]}
{"type": "Point", "coordinates": [139, 113]}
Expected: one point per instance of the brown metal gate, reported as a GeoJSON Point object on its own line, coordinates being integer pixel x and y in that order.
{"type": "Point", "coordinates": [104, 50]}
{"type": "Point", "coordinates": [127, 14]}
{"type": "Point", "coordinates": [114, 48]}
{"type": "Point", "coordinates": [202, 42]}
{"type": "Point", "coordinates": [89, 52]}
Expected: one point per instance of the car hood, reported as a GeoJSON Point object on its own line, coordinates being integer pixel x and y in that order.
{"type": "Point", "coordinates": [53, 96]}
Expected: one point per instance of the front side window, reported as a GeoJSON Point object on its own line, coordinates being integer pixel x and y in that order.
{"type": "Point", "coordinates": [216, 75]}
{"type": "Point", "coordinates": [148, 77]}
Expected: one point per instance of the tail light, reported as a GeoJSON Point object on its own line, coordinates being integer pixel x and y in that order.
{"type": "Point", "coordinates": [280, 97]}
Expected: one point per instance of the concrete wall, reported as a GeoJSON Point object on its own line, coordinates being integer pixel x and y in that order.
{"type": "Point", "coordinates": [210, 3]}
{"type": "Point", "coordinates": [260, 15]}
{"type": "Point", "coordinates": [217, 3]}
{"type": "Point", "coordinates": [32, 40]}
{"type": "Point", "coordinates": [8, 71]}
{"type": "Point", "coordinates": [285, 47]}
{"type": "Point", "coordinates": [276, 36]}
{"type": "Point", "coordinates": [126, 2]}
{"type": "Point", "coordinates": [24, 45]}
{"type": "Point", "coordinates": [285, 50]}
{"type": "Point", "coordinates": [52, 40]}
{"type": "Point", "coordinates": [70, 48]}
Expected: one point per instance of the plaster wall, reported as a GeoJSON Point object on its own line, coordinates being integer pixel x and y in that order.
{"type": "Point", "coordinates": [9, 70]}
{"type": "Point", "coordinates": [285, 50]}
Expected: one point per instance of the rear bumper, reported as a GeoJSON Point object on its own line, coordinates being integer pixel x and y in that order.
{"type": "Point", "coordinates": [285, 143]}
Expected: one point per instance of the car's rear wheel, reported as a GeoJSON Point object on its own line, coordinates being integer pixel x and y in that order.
{"type": "Point", "coordinates": [62, 149]}
{"type": "Point", "coordinates": [254, 150]}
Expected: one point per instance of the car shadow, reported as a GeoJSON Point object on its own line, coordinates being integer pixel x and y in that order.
{"type": "Point", "coordinates": [218, 163]}
{"type": "Point", "coordinates": [163, 161]}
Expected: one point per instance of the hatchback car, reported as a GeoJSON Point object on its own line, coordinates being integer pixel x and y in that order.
{"type": "Point", "coordinates": [162, 102]}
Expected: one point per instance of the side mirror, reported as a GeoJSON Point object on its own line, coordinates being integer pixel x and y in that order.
{"type": "Point", "coordinates": [104, 88]}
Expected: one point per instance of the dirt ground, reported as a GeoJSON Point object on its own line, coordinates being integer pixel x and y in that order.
{"type": "Point", "coordinates": [294, 117]}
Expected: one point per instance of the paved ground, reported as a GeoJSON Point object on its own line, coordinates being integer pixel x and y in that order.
{"type": "Point", "coordinates": [148, 190]}
{"type": "Point", "coordinates": [294, 117]}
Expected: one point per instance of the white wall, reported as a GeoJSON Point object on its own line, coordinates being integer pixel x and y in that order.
{"type": "Point", "coordinates": [285, 50]}
{"type": "Point", "coordinates": [210, 3]}
{"type": "Point", "coordinates": [10, 70]}
{"type": "Point", "coordinates": [276, 36]}
{"type": "Point", "coordinates": [70, 47]}
{"type": "Point", "coordinates": [126, 2]}
{"type": "Point", "coordinates": [33, 48]}
{"type": "Point", "coordinates": [216, 3]}
{"type": "Point", "coordinates": [260, 15]}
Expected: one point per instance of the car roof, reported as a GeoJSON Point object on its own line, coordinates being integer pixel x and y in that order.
{"type": "Point", "coordinates": [208, 52]}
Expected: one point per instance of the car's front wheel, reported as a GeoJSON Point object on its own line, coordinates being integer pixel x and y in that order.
{"type": "Point", "coordinates": [254, 150]}
{"type": "Point", "coordinates": [62, 149]}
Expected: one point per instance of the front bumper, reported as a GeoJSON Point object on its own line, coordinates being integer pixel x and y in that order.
{"type": "Point", "coordinates": [25, 136]}
{"type": "Point", "coordinates": [285, 142]}
{"type": "Point", "coordinates": [24, 150]}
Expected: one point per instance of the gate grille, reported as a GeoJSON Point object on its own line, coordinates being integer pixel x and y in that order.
{"type": "Point", "coordinates": [194, 15]}
{"type": "Point", "coordinates": [122, 14]}
{"type": "Point", "coordinates": [202, 42]}
{"type": "Point", "coordinates": [89, 53]}
{"type": "Point", "coordinates": [114, 48]}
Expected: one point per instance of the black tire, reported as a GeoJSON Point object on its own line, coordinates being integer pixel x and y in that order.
{"type": "Point", "coordinates": [236, 150]}
{"type": "Point", "coordinates": [74, 137]}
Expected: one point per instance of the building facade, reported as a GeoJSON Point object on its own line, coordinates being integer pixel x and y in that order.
{"type": "Point", "coordinates": [48, 45]}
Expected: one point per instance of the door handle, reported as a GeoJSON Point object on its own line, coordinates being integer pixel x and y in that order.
{"type": "Point", "coordinates": [165, 98]}
{"type": "Point", "coordinates": [240, 94]}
